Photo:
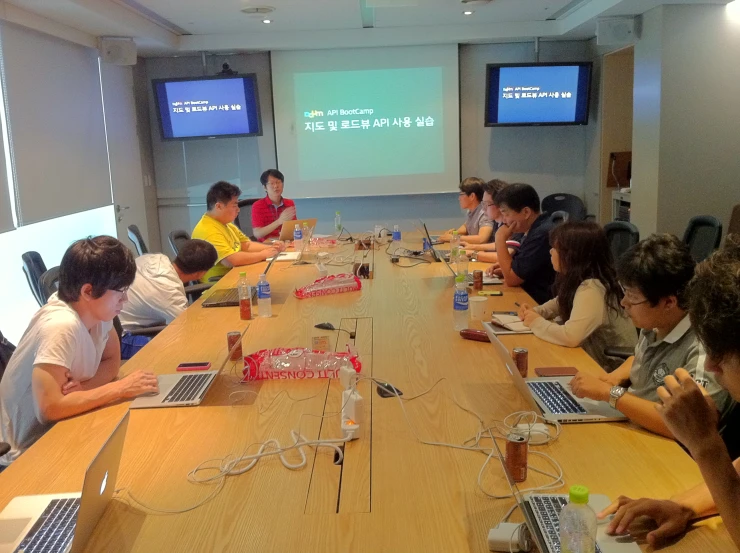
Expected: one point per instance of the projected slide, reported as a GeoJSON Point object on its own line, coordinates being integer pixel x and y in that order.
{"type": "Point", "coordinates": [369, 123]}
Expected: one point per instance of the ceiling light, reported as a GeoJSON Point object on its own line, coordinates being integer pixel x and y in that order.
{"type": "Point", "coordinates": [468, 12]}
{"type": "Point", "coordinates": [267, 21]}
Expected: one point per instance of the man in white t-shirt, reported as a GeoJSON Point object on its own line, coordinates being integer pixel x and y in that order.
{"type": "Point", "coordinates": [68, 359]}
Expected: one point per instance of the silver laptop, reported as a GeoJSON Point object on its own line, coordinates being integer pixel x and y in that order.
{"type": "Point", "coordinates": [286, 231]}
{"type": "Point", "coordinates": [229, 297]}
{"type": "Point", "coordinates": [542, 513]}
{"type": "Point", "coordinates": [64, 522]}
{"type": "Point", "coordinates": [551, 397]}
{"type": "Point", "coordinates": [469, 277]}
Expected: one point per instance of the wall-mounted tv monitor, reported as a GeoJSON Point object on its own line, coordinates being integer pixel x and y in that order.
{"type": "Point", "coordinates": [208, 107]}
{"type": "Point", "coordinates": [537, 94]}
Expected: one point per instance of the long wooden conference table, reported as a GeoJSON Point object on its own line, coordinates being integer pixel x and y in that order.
{"type": "Point", "coordinates": [391, 493]}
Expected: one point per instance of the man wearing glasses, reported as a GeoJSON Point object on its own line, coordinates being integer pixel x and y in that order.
{"type": "Point", "coordinates": [68, 359]}
{"type": "Point", "coordinates": [269, 213]}
{"type": "Point", "coordinates": [654, 275]}
{"type": "Point", "coordinates": [478, 227]}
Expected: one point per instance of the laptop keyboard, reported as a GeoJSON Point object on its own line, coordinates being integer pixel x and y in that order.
{"type": "Point", "coordinates": [187, 388]}
{"type": "Point", "coordinates": [556, 398]}
{"type": "Point", "coordinates": [54, 530]}
{"type": "Point", "coordinates": [546, 510]}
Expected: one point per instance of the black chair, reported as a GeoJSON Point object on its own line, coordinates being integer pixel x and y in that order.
{"type": "Point", "coordinates": [34, 267]}
{"type": "Point", "coordinates": [178, 239]}
{"type": "Point", "coordinates": [244, 219]}
{"type": "Point", "coordinates": [558, 217]}
{"type": "Point", "coordinates": [734, 227]}
{"type": "Point", "coordinates": [702, 236]}
{"type": "Point", "coordinates": [49, 283]}
{"type": "Point", "coordinates": [135, 236]}
{"type": "Point", "coordinates": [6, 351]}
{"type": "Point", "coordinates": [572, 205]}
{"type": "Point", "coordinates": [622, 236]}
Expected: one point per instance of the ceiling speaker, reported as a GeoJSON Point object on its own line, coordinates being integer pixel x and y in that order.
{"type": "Point", "coordinates": [118, 51]}
{"type": "Point", "coordinates": [616, 31]}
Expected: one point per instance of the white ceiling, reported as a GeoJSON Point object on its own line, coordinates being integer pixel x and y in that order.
{"type": "Point", "coordinates": [188, 26]}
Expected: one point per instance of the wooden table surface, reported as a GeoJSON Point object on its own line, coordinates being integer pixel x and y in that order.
{"type": "Point", "coordinates": [392, 493]}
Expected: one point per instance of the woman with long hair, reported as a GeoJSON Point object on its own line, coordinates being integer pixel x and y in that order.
{"type": "Point", "coordinates": [586, 310]}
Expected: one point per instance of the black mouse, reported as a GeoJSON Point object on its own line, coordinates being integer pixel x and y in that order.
{"type": "Point", "coordinates": [386, 389]}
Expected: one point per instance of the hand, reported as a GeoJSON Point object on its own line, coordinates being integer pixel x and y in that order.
{"type": "Point", "coordinates": [269, 252]}
{"type": "Point", "coordinates": [586, 385]}
{"type": "Point", "coordinates": [71, 385]}
{"type": "Point", "coordinates": [523, 308]}
{"type": "Point", "coordinates": [686, 411]}
{"type": "Point", "coordinates": [671, 518]}
{"type": "Point", "coordinates": [288, 214]}
{"type": "Point", "coordinates": [530, 317]}
{"type": "Point", "coordinates": [446, 237]}
{"type": "Point", "coordinates": [505, 231]}
{"type": "Point", "coordinates": [494, 270]}
{"type": "Point", "coordinates": [279, 245]}
{"type": "Point", "coordinates": [138, 383]}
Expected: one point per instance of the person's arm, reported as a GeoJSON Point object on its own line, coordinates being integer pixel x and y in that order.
{"type": "Point", "coordinates": [110, 363]}
{"type": "Point", "coordinates": [483, 236]}
{"type": "Point", "coordinates": [252, 252]}
{"type": "Point", "coordinates": [288, 214]}
{"type": "Point", "coordinates": [549, 310]}
{"type": "Point", "coordinates": [621, 375]}
{"type": "Point", "coordinates": [488, 257]}
{"type": "Point", "coordinates": [505, 258]}
{"type": "Point", "coordinates": [487, 247]}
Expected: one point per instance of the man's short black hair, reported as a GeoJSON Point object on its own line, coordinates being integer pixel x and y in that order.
{"type": "Point", "coordinates": [494, 186]}
{"type": "Point", "coordinates": [221, 192]}
{"type": "Point", "coordinates": [473, 185]}
{"type": "Point", "coordinates": [195, 256]}
{"type": "Point", "coordinates": [659, 266]}
{"type": "Point", "coordinates": [518, 196]}
{"type": "Point", "coordinates": [274, 173]}
{"type": "Point", "coordinates": [102, 261]}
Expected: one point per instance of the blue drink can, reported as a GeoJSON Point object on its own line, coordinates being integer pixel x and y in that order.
{"type": "Point", "coordinates": [425, 245]}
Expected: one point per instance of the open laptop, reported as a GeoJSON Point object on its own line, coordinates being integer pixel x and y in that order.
{"type": "Point", "coordinates": [182, 389]}
{"type": "Point", "coordinates": [64, 522]}
{"type": "Point", "coordinates": [229, 297]}
{"type": "Point", "coordinates": [542, 513]}
{"type": "Point", "coordinates": [487, 280]}
{"type": "Point", "coordinates": [551, 397]}
{"type": "Point", "coordinates": [286, 231]}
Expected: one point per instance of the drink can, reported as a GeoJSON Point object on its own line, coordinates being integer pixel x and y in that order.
{"type": "Point", "coordinates": [521, 360]}
{"type": "Point", "coordinates": [233, 338]}
{"type": "Point", "coordinates": [425, 245]}
{"type": "Point", "coordinates": [516, 456]}
{"type": "Point", "coordinates": [477, 280]}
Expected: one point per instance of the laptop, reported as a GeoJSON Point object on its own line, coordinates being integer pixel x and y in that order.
{"type": "Point", "coordinates": [286, 231]}
{"type": "Point", "coordinates": [487, 280]}
{"type": "Point", "coordinates": [436, 256]}
{"type": "Point", "coordinates": [182, 389]}
{"type": "Point", "coordinates": [542, 513]}
{"type": "Point", "coordinates": [229, 297]}
{"type": "Point", "coordinates": [551, 397]}
{"type": "Point", "coordinates": [64, 522]}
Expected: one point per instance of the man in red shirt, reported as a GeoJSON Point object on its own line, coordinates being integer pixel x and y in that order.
{"type": "Point", "coordinates": [269, 213]}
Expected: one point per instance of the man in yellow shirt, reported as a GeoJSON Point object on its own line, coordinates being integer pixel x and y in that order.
{"type": "Point", "coordinates": [217, 227]}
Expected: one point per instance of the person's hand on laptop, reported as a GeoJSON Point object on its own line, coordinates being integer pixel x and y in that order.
{"type": "Point", "coordinates": [672, 519]}
{"type": "Point", "coordinates": [288, 214]}
{"type": "Point", "coordinates": [591, 387]}
{"type": "Point", "coordinates": [446, 237]}
{"type": "Point", "coordinates": [267, 253]}
{"type": "Point", "coordinates": [494, 270]}
{"type": "Point", "coordinates": [279, 245]}
{"type": "Point", "coordinates": [138, 383]}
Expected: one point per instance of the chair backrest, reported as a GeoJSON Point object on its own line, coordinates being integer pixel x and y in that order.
{"type": "Point", "coordinates": [34, 267]}
{"type": "Point", "coordinates": [178, 239]}
{"type": "Point", "coordinates": [135, 236]}
{"type": "Point", "coordinates": [6, 350]}
{"type": "Point", "coordinates": [734, 227]}
{"type": "Point", "coordinates": [558, 217]}
{"type": "Point", "coordinates": [572, 205]}
{"type": "Point", "coordinates": [622, 236]}
{"type": "Point", "coordinates": [702, 236]}
{"type": "Point", "coordinates": [244, 219]}
{"type": "Point", "coordinates": [49, 283]}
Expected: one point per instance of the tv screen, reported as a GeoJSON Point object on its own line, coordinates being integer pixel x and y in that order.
{"type": "Point", "coordinates": [207, 107]}
{"type": "Point", "coordinates": [537, 94]}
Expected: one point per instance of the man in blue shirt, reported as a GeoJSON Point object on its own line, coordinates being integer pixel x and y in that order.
{"type": "Point", "coordinates": [530, 266]}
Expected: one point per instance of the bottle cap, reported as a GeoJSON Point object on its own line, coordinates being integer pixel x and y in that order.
{"type": "Point", "coordinates": [262, 275]}
{"type": "Point", "coordinates": [243, 274]}
{"type": "Point", "coordinates": [337, 213]}
{"type": "Point", "coordinates": [454, 233]}
{"type": "Point", "coordinates": [578, 494]}
{"type": "Point", "coordinates": [297, 227]}
{"type": "Point", "coordinates": [461, 278]}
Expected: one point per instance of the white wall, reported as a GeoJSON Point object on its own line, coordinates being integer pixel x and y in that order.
{"type": "Point", "coordinates": [686, 138]}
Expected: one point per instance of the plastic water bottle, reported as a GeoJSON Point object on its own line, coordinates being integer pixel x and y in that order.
{"type": "Point", "coordinates": [460, 303]}
{"type": "Point", "coordinates": [338, 221]}
{"type": "Point", "coordinates": [396, 240]}
{"type": "Point", "coordinates": [264, 299]}
{"type": "Point", "coordinates": [578, 523]}
{"type": "Point", "coordinates": [454, 247]}
{"type": "Point", "coordinates": [245, 297]}
{"type": "Point", "coordinates": [297, 238]}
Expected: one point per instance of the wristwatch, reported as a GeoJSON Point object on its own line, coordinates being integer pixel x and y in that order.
{"type": "Point", "coordinates": [614, 394]}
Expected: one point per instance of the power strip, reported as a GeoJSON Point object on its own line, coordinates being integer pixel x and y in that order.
{"type": "Point", "coordinates": [353, 410]}
{"type": "Point", "coordinates": [508, 537]}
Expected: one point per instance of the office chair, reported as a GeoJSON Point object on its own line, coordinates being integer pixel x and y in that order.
{"type": "Point", "coordinates": [6, 351]}
{"type": "Point", "coordinates": [558, 217]}
{"type": "Point", "coordinates": [34, 267]}
{"type": "Point", "coordinates": [178, 239]}
{"type": "Point", "coordinates": [621, 236]}
{"type": "Point", "coordinates": [572, 205]}
{"type": "Point", "coordinates": [135, 236]}
{"type": "Point", "coordinates": [734, 227]}
{"type": "Point", "coordinates": [49, 283]}
{"type": "Point", "coordinates": [702, 236]}
{"type": "Point", "coordinates": [244, 219]}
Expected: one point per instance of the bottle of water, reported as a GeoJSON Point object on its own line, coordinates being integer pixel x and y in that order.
{"type": "Point", "coordinates": [460, 303]}
{"type": "Point", "coordinates": [264, 299]}
{"type": "Point", "coordinates": [307, 231]}
{"type": "Point", "coordinates": [454, 247]}
{"type": "Point", "coordinates": [578, 523]}
{"type": "Point", "coordinates": [245, 297]}
{"type": "Point", "coordinates": [396, 240]}
{"type": "Point", "coordinates": [297, 238]}
{"type": "Point", "coordinates": [338, 221]}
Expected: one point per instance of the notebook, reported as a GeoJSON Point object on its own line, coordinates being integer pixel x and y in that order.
{"type": "Point", "coordinates": [504, 323]}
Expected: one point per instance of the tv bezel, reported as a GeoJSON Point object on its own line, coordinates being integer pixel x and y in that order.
{"type": "Point", "coordinates": [489, 66]}
{"type": "Point", "coordinates": [252, 76]}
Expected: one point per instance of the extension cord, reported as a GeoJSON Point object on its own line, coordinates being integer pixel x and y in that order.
{"type": "Point", "coordinates": [347, 378]}
{"type": "Point", "coordinates": [508, 537]}
{"type": "Point", "coordinates": [352, 415]}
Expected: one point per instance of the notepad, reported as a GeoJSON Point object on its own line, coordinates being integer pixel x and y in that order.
{"type": "Point", "coordinates": [287, 256]}
{"type": "Point", "coordinates": [508, 324]}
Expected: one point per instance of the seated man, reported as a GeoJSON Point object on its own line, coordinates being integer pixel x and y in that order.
{"type": "Point", "coordinates": [714, 309]}
{"type": "Point", "coordinates": [157, 295]}
{"type": "Point", "coordinates": [487, 252]}
{"type": "Point", "coordinates": [530, 266]}
{"type": "Point", "coordinates": [269, 213]}
{"type": "Point", "coordinates": [217, 226]}
{"type": "Point", "coordinates": [478, 228]}
{"type": "Point", "coordinates": [68, 359]}
{"type": "Point", "coordinates": [654, 274]}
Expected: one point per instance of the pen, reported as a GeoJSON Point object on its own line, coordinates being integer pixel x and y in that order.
{"type": "Point", "coordinates": [517, 304]}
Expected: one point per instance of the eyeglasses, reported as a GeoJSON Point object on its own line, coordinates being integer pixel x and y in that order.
{"type": "Point", "coordinates": [486, 205]}
{"type": "Point", "coordinates": [628, 301]}
{"type": "Point", "coordinates": [121, 291]}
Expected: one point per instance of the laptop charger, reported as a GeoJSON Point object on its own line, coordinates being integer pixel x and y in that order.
{"type": "Point", "coordinates": [509, 536]}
